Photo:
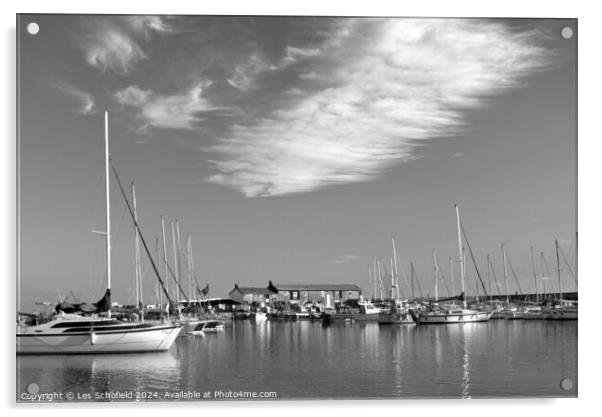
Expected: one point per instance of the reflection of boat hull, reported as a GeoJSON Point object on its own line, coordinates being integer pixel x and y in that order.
{"type": "Point", "coordinates": [258, 317]}
{"type": "Point", "coordinates": [450, 318]}
{"type": "Point", "coordinates": [350, 317]}
{"type": "Point", "coordinates": [149, 339]}
{"type": "Point", "coordinates": [207, 326]}
{"type": "Point", "coordinates": [562, 315]}
{"type": "Point", "coordinates": [396, 318]}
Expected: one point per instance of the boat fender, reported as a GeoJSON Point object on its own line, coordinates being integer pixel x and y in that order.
{"type": "Point", "coordinates": [92, 338]}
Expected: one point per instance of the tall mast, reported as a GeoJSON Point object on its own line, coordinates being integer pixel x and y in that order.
{"type": "Point", "coordinates": [380, 277]}
{"type": "Point", "coordinates": [558, 265]}
{"type": "Point", "coordinates": [179, 247]}
{"type": "Point", "coordinates": [190, 265]}
{"type": "Point", "coordinates": [158, 285]}
{"type": "Point", "coordinates": [395, 265]}
{"type": "Point", "coordinates": [505, 274]}
{"type": "Point", "coordinates": [544, 296]}
{"type": "Point", "coordinates": [489, 277]}
{"type": "Point", "coordinates": [369, 274]}
{"type": "Point", "coordinates": [461, 254]}
{"type": "Point", "coordinates": [374, 277]}
{"type": "Point", "coordinates": [165, 258]}
{"type": "Point", "coordinates": [137, 253]}
{"type": "Point", "coordinates": [108, 207]}
{"type": "Point", "coordinates": [175, 261]}
{"type": "Point", "coordinates": [534, 275]}
{"type": "Point", "coordinates": [393, 286]}
{"type": "Point", "coordinates": [435, 274]}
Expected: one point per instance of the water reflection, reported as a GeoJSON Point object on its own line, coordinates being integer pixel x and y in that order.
{"type": "Point", "coordinates": [305, 359]}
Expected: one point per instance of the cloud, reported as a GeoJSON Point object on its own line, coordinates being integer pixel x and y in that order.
{"type": "Point", "coordinates": [177, 111]}
{"type": "Point", "coordinates": [85, 101]}
{"type": "Point", "coordinates": [111, 44]}
{"type": "Point", "coordinates": [147, 24]}
{"type": "Point", "coordinates": [457, 155]}
{"type": "Point", "coordinates": [387, 84]}
{"type": "Point", "coordinates": [342, 259]}
{"type": "Point", "coordinates": [243, 75]}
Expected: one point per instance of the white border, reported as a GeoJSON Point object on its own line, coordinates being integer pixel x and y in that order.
{"type": "Point", "coordinates": [589, 217]}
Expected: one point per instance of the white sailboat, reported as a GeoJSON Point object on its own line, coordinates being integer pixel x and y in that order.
{"type": "Point", "coordinates": [443, 315]}
{"type": "Point", "coordinates": [76, 333]}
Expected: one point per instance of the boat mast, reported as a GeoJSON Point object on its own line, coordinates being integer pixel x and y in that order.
{"type": "Point", "coordinates": [435, 274]}
{"type": "Point", "coordinates": [505, 274]}
{"type": "Point", "coordinates": [108, 206]}
{"type": "Point", "coordinates": [165, 258]}
{"type": "Point", "coordinates": [558, 265]}
{"type": "Point", "coordinates": [190, 264]}
{"type": "Point", "coordinates": [395, 265]}
{"type": "Point", "coordinates": [137, 253]}
{"type": "Point", "coordinates": [461, 254]}
{"type": "Point", "coordinates": [374, 277]}
{"type": "Point", "coordinates": [158, 284]}
{"type": "Point", "coordinates": [175, 261]}
{"type": "Point", "coordinates": [489, 279]}
{"type": "Point", "coordinates": [393, 286]}
{"type": "Point", "coordinates": [534, 275]}
{"type": "Point", "coordinates": [544, 296]}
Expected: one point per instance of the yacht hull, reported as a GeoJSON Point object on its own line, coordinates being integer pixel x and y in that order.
{"type": "Point", "coordinates": [153, 339]}
{"type": "Point", "coordinates": [451, 318]}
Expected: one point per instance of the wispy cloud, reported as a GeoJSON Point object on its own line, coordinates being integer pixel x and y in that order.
{"type": "Point", "coordinates": [148, 24]}
{"type": "Point", "coordinates": [343, 259]}
{"type": "Point", "coordinates": [390, 84]}
{"type": "Point", "coordinates": [177, 111]}
{"type": "Point", "coordinates": [85, 101]}
{"type": "Point", "coordinates": [111, 45]}
{"type": "Point", "coordinates": [457, 154]}
{"type": "Point", "coordinates": [243, 75]}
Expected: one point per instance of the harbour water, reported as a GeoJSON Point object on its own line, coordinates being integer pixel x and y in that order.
{"type": "Point", "coordinates": [309, 360]}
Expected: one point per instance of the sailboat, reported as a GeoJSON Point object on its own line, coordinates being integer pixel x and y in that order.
{"type": "Point", "coordinates": [72, 333]}
{"type": "Point", "coordinates": [438, 314]}
{"type": "Point", "coordinates": [564, 309]}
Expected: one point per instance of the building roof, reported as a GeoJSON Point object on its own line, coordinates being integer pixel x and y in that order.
{"type": "Point", "coordinates": [252, 290]}
{"type": "Point", "coordinates": [317, 287]}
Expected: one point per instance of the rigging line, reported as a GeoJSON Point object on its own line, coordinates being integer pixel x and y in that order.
{"type": "Point", "coordinates": [405, 277]}
{"type": "Point", "coordinates": [567, 264]}
{"type": "Point", "coordinates": [418, 283]}
{"type": "Point", "coordinates": [140, 233]}
{"type": "Point", "coordinates": [547, 274]}
{"type": "Point", "coordinates": [173, 275]}
{"type": "Point", "coordinates": [444, 280]}
{"type": "Point", "coordinates": [513, 274]}
{"type": "Point", "coordinates": [474, 263]}
{"type": "Point", "coordinates": [497, 286]}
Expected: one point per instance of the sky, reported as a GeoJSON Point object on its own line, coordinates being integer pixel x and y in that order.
{"type": "Point", "coordinates": [292, 149]}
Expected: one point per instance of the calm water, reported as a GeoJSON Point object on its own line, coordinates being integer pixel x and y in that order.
{"type": "Point", "coordinates": [309, 360]}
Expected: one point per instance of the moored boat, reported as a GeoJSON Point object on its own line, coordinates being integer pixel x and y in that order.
{"type": "Point", "coordinates": [89, 328]}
